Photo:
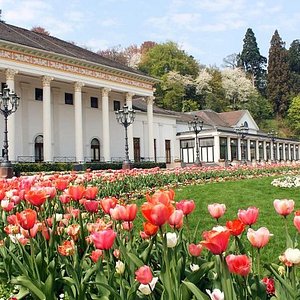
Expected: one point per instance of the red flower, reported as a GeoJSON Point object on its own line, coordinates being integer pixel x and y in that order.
{"type": "Point", "coordinates": [126, 213]}
{"type": "Point", "coordinates": [27, 218]}
{"type": "Point", "coordinates": [61, 184]}
{"type": "Point", "coordinates": [67, 248]}
{"type": "Point", "coordinates": [161, 196]}
{"type": "Point", "coordinates": [144, 275]}
{"type": "Point", "coordinates": [297, 220]}
{"type": "Point", "coordinates": [238, 264]}
{"type": "Point", "coordinates": [157, 214]}
{"type": "Point", "coordinates": [216, 241]}
{"type": "Point", "coordinates": [187, 206]}
{"type": "Point", "coordinates": [150, 229]}
{"type": "Point", "coordinates": [104, 239]}
{"type": "Point", "coordinates": [96, 255]}
{"type": "Point", "coordinates": [36, 197]}
{"type": "Point", "coordinates": [76, 192]}
{"type": "Point", "coordinates": [249, 216]}
{"type": "Point", "coordinates": [236, 227]}
{"type": "Point", "coordinates": [270, 285]}
{"type": "Point", "coordinates": [91, 205]}
{"type": "Point", "coordinates": [108, 203]}
{"type": "Point", "coordinates": [195, 249]}
{"type": "Point", "coordinates": [91, 192]}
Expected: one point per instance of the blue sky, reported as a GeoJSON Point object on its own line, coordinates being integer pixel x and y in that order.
{"type": "Point", "coordinates": [207, 29]}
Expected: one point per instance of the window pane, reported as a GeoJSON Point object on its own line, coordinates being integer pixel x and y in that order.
{"type": "Point", "coordinates": [94, 102]}
{"type": "Point", "coordinates": [117, 105]}
{"type": "Point", "coordinates": [39, 94]}
{"type": "Point", "coordinates": [69, 98]}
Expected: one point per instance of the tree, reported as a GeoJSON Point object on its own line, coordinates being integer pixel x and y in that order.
{"type": "Point", "coordinates": [294, 114]}
{"type": "Point", "coordinates": [166, 57]}
{"type": "Point", "coordinates": [115, 53]}
{"type": "Point", "coordinates": [40, 29]}
{"type": "Point", "coordinates": [253, 63]}
{"type": "Point", "coordinates": [231, 61]}
{"type": "Point", "coordinates": [238, 88]}
{"type": "Point", "coordinates": [278, 76]}
{"type": "Point", "coordinates": [294, 64]}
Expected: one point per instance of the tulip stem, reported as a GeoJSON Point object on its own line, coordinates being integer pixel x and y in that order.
{"type": "Point", "coordinates": [34, 265]}
{"type": "Point", "coordinates": [258, 262]}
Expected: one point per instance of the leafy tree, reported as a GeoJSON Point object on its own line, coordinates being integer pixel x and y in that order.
{"type": "Point", "coordinates": [294, 64]}
{"type": "Point", "coordinates": [238, 88]}
{"type": "Point", "coordinates": [278, 76]}
{"type": "Point", "coordinates": [253, 63]}
{"type": "Point", "coordinates": [294, 114]}
{"type": "Point", "coordinates": [166, 57]}
{"type": "Point", "coordinates": [40, 29]}
{"type": "Point", "coordinates": [115, 53]}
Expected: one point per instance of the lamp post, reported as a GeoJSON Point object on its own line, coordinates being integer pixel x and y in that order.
{"type": "Point", "coordinates": [9, 102]}
{"type": "Point", "coordinates": [125, 117]}
{"type": "Point", "coordinates": [273, 135]}
{"type": "Point", "coordinates": [196, 125]}
{"type": "Point", "coordinates": [242, 131]}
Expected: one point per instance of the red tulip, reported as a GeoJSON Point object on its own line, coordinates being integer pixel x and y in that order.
{"type": "Point", "coordinates": [104, 239]}
{"type": "Point", "coordinates": [150, 229]}
{"type": "Point", "coordinates": [284, 207]}
{"type": "Point", "coordinates": [258, 238]}
{"type": "Point", "coordinates": [108, 203]}
{"type": "Point", "coordinates": [96, 255]}
{"type": "Point", "coordinates": [144, 275]}
{"type": "Point", "coordinates": [176, 219]}
{"type": "Point", "coordinates": [76, 192]}
{"type": "Point", "coordinates": [27, 218]}
{"type": "Point", "coordinates": [236, 227]}
{"type": "Point", "coordinates": [91, 192]}
{"type": "Point", "coordinates": [216, 241]}
{"type": "Point", "coordinates": [195, 249]}
{"type": "Point", "coordinates": [187, 206]}
{"type": "Point", "coordinates": [270, 285]}
{"type": "Point", "coordinates": [216, 210]}
{"type": "Point", "coordinates": [127, 212]}
{"type": "Point", "coordinates": [157, 214]}
{"type": "Point", "coordinates": [297, 220]}
{"type": "Point", "coordinates": [161, 196]}
{"type": "Point", "coordinates": [249, 216]}
{"type": "Point", "coordinates": [36, 197]}
{"type": "Point", "coordinates": [67, 248]}
{"type": "Point", "coordinates": [64, 198]}
{"type": "Point", "coordinates": [238, 264]}
{"type": "Point", "coordinates": [61, 184]}
{"type": "Point", "coordinates": [50, 191]}
{"type": "Point", "coordinates": [91, 206]}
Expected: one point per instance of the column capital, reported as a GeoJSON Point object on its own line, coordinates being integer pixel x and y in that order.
{"type": "Point", "coordinates": [78, 86]}
{"type": "Point", "coordinates": [105, 92]}
{"type": "Point", "coordinates": [10, 74]}
{"type": "Point", "coordinates": [46, 80]}
{"type": "Point", "coordinates": [150, 99]}
{"type": "Point", "coordinates": [129, 96]}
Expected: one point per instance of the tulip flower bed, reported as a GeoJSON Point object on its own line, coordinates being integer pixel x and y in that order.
{"type": "Point", "coordinates": [62, 239]}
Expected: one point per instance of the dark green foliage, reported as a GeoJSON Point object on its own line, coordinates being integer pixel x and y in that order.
{"type": "Point", "coordinates": [294, 64]}
{"type": "Point", "coordinates": [252, 62]}
{"type": "Point", "coordinates": [278, 76]}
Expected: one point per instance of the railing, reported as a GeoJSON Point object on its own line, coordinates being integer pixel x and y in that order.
{"type": "Point", "coordinates": [66, 159]}
{"type": "Point", "coordinates": [26, 159]}
{"type": "Point", "coordinates": [90, 159]}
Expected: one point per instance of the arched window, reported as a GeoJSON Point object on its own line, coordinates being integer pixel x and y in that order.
{"type": "Point", "coordinates": [39, 148]}
{"type": "Point", "coordinates": [246, 124]}
{"type": "Point", "coordinates": [95, 150]}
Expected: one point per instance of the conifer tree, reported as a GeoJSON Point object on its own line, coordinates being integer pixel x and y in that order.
{"type": "Point", "coordinates": [294, 64]}
{"type": "Point", "coordinates": [278, 76]}
{"type": "Point", "coordinates": [252, 62]}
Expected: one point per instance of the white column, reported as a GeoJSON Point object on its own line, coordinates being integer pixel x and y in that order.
{"type": "Point", "coordinates": [216, 148]}
{"type": "Point", "coordinates": [248, 150]}
{"type": "Point", "coordinates": [105, 124]}
{"type": "Point", "coordinates": [11, 121]}
{"type": "Point", "coordinates": [239, 149]}
{"type": "Point", "coordinates": [265, 150]}
{"type": "Point", "coordinates": [272, 150]}
{"type": "Point", "coordinates": [150, 127]}
{"type": "Point", "coordinates": [278, 152]}
{"type": "Point", "coordinates": [257, 149]}
{"type": "Point", "coordinates": [78, 122]}
{"type": "Point", "coordinates": [229, 148]}
{"type": "Point", "coordinates": [283, 150]}
{"type": "Point", "coordinates": [130, 128]}
{"type": "Point", "coordinates": [47, 119]}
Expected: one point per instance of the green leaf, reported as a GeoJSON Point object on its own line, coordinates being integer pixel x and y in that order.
{"type": "Point", "coordinates": [32, 286]}
{"type": "Point", "coordinates": [198, 294]}
{"type": "Point", "coordinates": [196, 276]}
{"type": "Point", "coordinates": [138, 262]}
{"type": "Point", "coordinates": [107, 287]}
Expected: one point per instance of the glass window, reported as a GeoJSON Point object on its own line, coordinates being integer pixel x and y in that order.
{"type": "Point", "coordinates": [95, 149]}
{"type": "Point", "coordinates": [39, 94]}
{"type": "Point", "coordinates": [38, 148]}
{"type": "Point", "coordinates": [234, 149]}
{"type": "Point", "coordinates": [253, 150]}
{"type": "Point", "coordinates": [206, 142]}
{"type": "Point", "coordinates": [117, 105]}
{"type": "Point", "coordinates": [94, 102]}
{"type": "Point", "coordinates": [69, 98]}
{"type": "Point", "coordinates": [223, 148]}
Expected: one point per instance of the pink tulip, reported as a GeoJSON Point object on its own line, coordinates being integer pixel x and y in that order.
{"type": "Point", "coordinates": [258, 238]}
{"type": "Point", "coordinates": [176, 219]}
{"type": "Point", "coordinates": [216, 210]}
{"type": "Point", "coordinates": [248, 216]}
{"type": "Point", "coordinates": [187, 206]}
{"type": "Point", "coordinates": [238, 264]}
{"type": "Point", "coordinates": [284, 207]}
{"type": "Point", "coordinates": [104, 239]}
{"type": "Point", "coordinates": [195, 249]}
{"type": "Point", "coordinates": [125, 213]}
{"type": "Point", "coordinates": [297, 220]}
{"type": "Point", "coordinates": [91, 205]}
{"type": "Point", "coordinates": [144, 275]}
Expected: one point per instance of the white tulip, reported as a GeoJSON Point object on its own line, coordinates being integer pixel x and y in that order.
{"type": "Point", "coordinates": [292, 255]}
{"type": "Point", "coordinates": [120, 267]}
{"type": "Point", "coordinates": [194, 267]}
{"type": "Point", "coordinates": [171, 239]}
{"type": "Point", "coordinates": [147, 289]}
{"type": "Point", "coordinates": [216, 294]}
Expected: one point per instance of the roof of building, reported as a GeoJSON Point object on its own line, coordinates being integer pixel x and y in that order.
{"type": "Point", "coordinates": [141, 105]}
{"type": "Point", "coordinates": [232, 117]}
{"type": "Point", "coordinates": [25, 37]}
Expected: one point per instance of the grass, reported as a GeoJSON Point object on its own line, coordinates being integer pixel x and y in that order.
{"type": "Point", "coordinates": [241, 194]}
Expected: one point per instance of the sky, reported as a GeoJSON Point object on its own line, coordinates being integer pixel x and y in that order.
{"type": "Point", "coordinates": [209, 30]}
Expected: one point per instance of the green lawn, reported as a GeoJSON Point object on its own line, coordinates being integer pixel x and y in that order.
{"type": "Point", "coordinates": [241, 194]}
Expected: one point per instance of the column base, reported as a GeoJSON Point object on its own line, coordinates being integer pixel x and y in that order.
{"type": "Point", "coordinates": [6, 172]}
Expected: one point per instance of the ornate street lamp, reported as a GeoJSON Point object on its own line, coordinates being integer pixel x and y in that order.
{"type": "Point", "coordinates": [125, 117]}
{"type": "Point", "coordinates": [273, 135]}
{"type": "Point", "coordinates": [9, 102]}
{"type": "Point", "coordinates": [196, 125]}
{"type": "Point", "coordinates": [242, 131]}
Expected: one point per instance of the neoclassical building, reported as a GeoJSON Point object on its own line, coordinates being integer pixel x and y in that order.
{"type": "Point", "coordinates": [68, 98]}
